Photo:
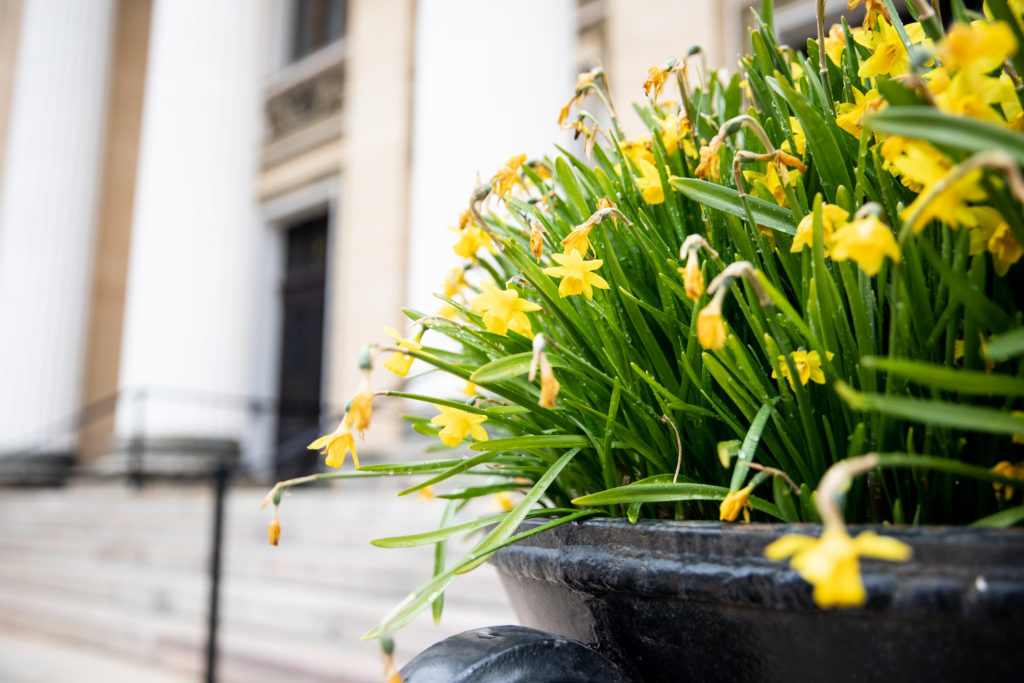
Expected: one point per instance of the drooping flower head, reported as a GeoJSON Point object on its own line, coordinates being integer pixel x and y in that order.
{"type": "Point", "coordinates": [866, 241]}
{"type": "Point", "coordinates": [832, 218]}
{"type": "Point", "coordinates": [336, 446]}
{"type": "Point", "coordinates": [507, 176]}
{"type": "Point", "coordinates": [736, 501]}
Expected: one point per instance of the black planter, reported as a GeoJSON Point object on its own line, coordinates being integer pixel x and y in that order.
{"type": "Point", "coordinates": [697, 601]}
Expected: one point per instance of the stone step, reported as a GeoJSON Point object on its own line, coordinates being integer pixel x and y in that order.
{"type": "Point", "coordinates": [125, 571]}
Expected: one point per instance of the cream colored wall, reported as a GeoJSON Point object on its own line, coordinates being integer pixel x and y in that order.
{"type": "Point", "coordinates": [643, 33]}
{"type": "Point", "coordinates": [368, 264]}
{"type": "Point", "coordinates": [10, 22]}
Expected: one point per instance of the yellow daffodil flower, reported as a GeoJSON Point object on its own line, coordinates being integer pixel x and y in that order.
{"type": "Point", "coordinates": [710, 326]}
{"type": "Point", "coordinates": [638, 149]}
{"type": "Point", "coordinates": [399, 363]}
{"type": "Point", "coordinates": [360, 412]}
{"type": "Point", "coordinates": [710, 164]}
{"type": "Point", "coordinates": [832, 218]}
{"type": "Point", "coordinates": [503, 310]}
{"type": "Point", "coordinates": [469, 389]}
{"type": "Point", "coordinates": [736, 501]}
{"type": "Point", "coordinates": [866, 241]}
{"type": "Point", "coordinates": [578, 239]}
{"type": "Point", "coordinates": [649, 183]}
{"type": "Point", "coordinates": [503, 501]}
{"type": "Point", "coordinates": [448, 311]}
{"type": "Point", "coordinates": [458, 424]}
{"type": "Point", "coordinates": [536, 239]}
{"type": "Point", "coordinates": [426, 493]}
{"type": "Point", "coordinates": [455, 282]}
{"type": "Point", "coordinates": [507, 176]}
{"type": "Point", "coordinates": [851, 114]}
{"type": "Point", "coordinates": [274, 529]}
{"type": "Point", "coordinates": [772, 179]}
{"type": "Point", "coordinates": [675, 134]}
{"type": "Point", "coordinates": [888, 54]}
{"type": "Point", "coordinates": [1008, 469]}
{"type": "Point", "coordinates": [693, 278]}
{"type": "Point", "coordinates": [471, 238]}
{"type": "Point", "coordinates": [808, 367]}
{"type": "Point", "coordinates": [950, 205]}
{"type": "Point", "coordinates": [798, 137]}
{"type": "Point", "coordinates": [548, 383]}
{"type": "Point", "coordinates": [576, 274]}
{"type": "Point", "coordinates": [980, 46]}
{"type": "Point", "coordinates": [835, 43]}
{"type": "Point", "coordinates": [336, 445]}
{"type": "Point", "coordinates": [830, 563]}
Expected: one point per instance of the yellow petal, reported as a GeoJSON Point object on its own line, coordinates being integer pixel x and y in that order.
{"type": "Point", "coordinates": [787, 545]}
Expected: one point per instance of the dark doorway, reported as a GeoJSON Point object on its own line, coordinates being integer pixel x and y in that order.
{"type": "Point", "coordinates": [302, 333]}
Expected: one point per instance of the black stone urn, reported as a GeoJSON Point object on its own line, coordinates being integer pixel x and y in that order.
{"type": "Point", "coordinates": [697, 601]}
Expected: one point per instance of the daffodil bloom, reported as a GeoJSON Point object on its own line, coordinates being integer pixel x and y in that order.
{"type": "Point", "coordinates": [426, 493]}
{"type": "Point", "coordinates": [336, 445]}
{"type": "Point", "coordinates": [990, 232]}
{"type": "Point", "coordinates": [867, 241]}
{"type": "Point", "coordinates": [274, 529]}
{"type": "Point", "coordinates": [548, 383]}
{"type": "Point", "coordinates": [455, 282]}
{"type": "Point", "coordinates": [448, 311]}
{"type": "Point", "coordinates": [399, 363]}
{"type": "Point", "coordinates": [605, 203]}
{"type": "Point", "coordinates": [736, 501]}
{"type": "Point", "coordinates": [969, 93]}
{"type": "Point", "coordinates": [360, 412]}
{"type": "Point", "coordinates": [888, 54]}
{"type": "Point", "coordinates": [851, 114]}
{"type": "Point", "coordinates": [649, 183]}
{"type": "Point", "coordinates": [578, 238]}
{"type": "Point", "coordinates": [710, 326]}
{"type": "Point", "coordinates": [471, 239]}
{"type": "Point", "coordinates": [949, 205]}
{"type": "Point", "coordinates": [693, 278]}
{"type": "Point", "coordinates": [675, 134]}
{"type": "Point", "coordinates": [577, 275]}
{"type": "Point", "coordinates": [775, 179]}
{"type": "Point", "coordinates": [916, 162]}
{"type": "Point", "coordinates": [980, 46]}
{"type": "Point", "coordinates": [799, 138]}
{"type": "Point", "coordinates": [507, 176]}
{"type": "Point", "coordinates": [808, 367]}
{"type": "Point", "coordinates": [830, 563]}
{"type": "Point", "coordinates": [638, 149]}
{"type": "Point", "coordinates": [1007, 469]}
{"type": "Point", "coordinates": [536, 239]}
{"type": "Point", "coordinates": [469, 389]}
{"type": "Point", "coordinates": [710, 164]}
{"type": "Point", "coordinates": [503, 501]}
{"type": "Point", "coordinates": [503, 310]}
{"type": "Point", "coordinates": [832, 218]}
{"type": "Point", "coordinates": [458, 424]}
{"type": "Point", "coordinates": [835, 43]}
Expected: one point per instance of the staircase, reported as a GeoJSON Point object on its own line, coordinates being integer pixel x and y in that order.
{"type": "Point", "coordinates": [123, 571]}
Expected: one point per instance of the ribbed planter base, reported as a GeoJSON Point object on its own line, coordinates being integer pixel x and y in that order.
{"type": "Point", "coordinates": [697, 601]}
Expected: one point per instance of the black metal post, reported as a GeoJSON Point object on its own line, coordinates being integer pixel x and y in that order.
{"type": "Point", "coordinates": [220, 485]}
{"type": "Point", "coordinates": [136, 446]}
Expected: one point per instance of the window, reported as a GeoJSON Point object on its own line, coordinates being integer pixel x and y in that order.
{"type": "Point", "coordinates": [316, 24]}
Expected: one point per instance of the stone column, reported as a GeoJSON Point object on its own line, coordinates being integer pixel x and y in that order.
{"type": "Point", "coordinates": [190, 295]}
{"type": "Point", "coordinates": [48, 205]}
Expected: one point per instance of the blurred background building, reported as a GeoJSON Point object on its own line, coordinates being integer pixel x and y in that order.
{"type": "Point", "coordinates": [207, 208]}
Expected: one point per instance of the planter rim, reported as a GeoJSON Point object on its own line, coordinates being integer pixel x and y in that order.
{"type": "Point", "coordinates": [965, 571]}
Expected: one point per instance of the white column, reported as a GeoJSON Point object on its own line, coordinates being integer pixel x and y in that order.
{"type": "Point", "coordinates": [490, 79]}
{"type": "Point", "coordinates": [48, 206]}
{"type": "Point", "coordinates": [189, 309]}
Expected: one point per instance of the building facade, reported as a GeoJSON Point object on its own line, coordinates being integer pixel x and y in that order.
{"type": "Point", "coordinates": [208, 208]}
